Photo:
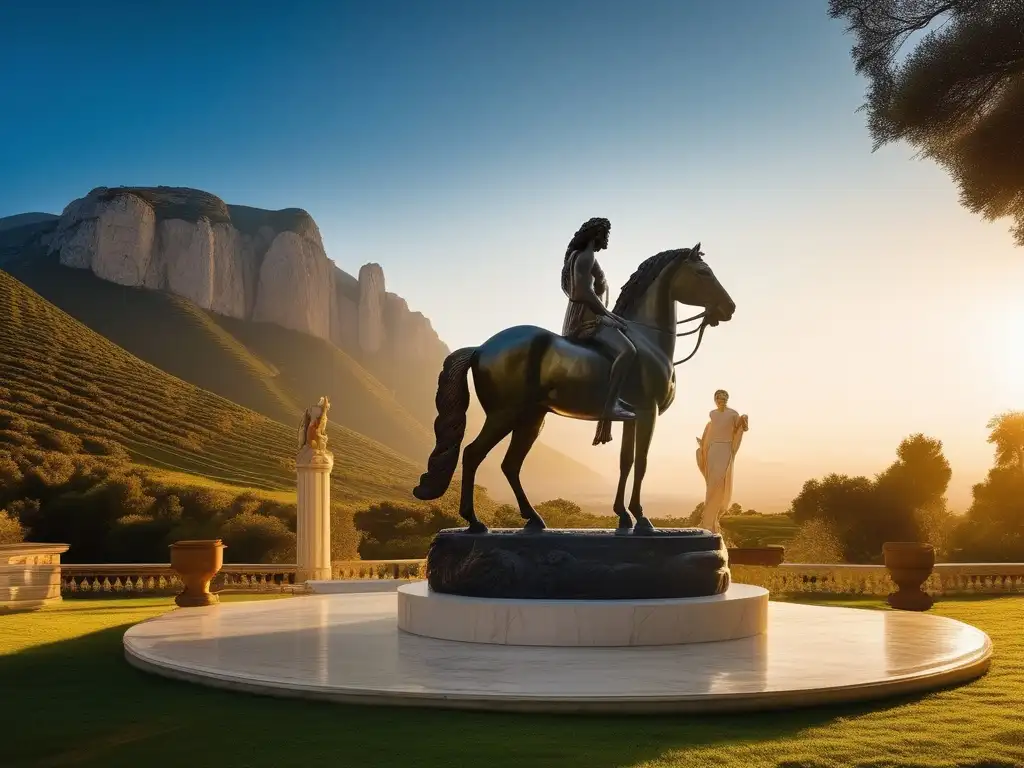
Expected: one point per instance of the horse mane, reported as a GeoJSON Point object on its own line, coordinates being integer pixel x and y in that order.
{"type": "Point", "coordinates": [641, 280]}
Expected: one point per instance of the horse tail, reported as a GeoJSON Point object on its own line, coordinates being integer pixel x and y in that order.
{"type": "Point", "coordinates": [452, 402]}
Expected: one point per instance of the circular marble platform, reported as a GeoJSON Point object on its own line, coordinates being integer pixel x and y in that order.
{"type": "Point", "coordinates": [348, 648]}
{"type": "Point", "coordinates": [742, 611]}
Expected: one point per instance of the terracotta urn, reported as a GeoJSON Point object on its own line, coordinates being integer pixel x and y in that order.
{"type": "Point", "coordinates": [769, 557]}
{"type": "Point", "coordinates": [910, 563]}
{"type": "Point", "coordinates": [197, 562]}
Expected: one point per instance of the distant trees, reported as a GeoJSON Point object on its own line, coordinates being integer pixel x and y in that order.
{"type": "Point", "coordinates": [110, 512]}
{"type": "Point", "coordinates": [394, 531]}
{"type": "Point", "coordinates": [957, 96]}
{"type": "Point", "coordinates": [1006, 432]}
{"type": "Point", "coordinates": [694, 519]}
{"type": "Point", "coordinates": [906, 502]}
{"type": "Point", "coordinates": [993, 528]}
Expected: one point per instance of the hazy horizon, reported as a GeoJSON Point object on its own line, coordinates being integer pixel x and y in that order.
{"type": "Point", "coordinates": [461, 146]}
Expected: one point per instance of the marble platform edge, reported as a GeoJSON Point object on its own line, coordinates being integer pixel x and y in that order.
{"type": "Point", "coordinates": [963, 669]}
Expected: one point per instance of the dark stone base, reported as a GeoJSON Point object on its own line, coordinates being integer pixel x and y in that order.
{"type": "Point", "coordinates": [582, 564]}
{"type": "Point", "coordinates": [770, 556]}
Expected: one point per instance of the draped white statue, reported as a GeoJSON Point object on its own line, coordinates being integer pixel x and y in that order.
{"type": "Point", "coordinates": [716, 455]}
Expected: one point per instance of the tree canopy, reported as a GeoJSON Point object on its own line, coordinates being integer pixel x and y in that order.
{"type": "Point", "coordinates": [906, 502]}
{"type": "Point", "coordinates": [1006, 433]}
{"type": "Point", "coordinates": [993, 528]}
{"type": "Point", "coordinates": [957, 95]}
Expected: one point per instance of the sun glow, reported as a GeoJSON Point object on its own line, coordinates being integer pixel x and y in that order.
{"type": "Point", "coordinates": [1007, 350]}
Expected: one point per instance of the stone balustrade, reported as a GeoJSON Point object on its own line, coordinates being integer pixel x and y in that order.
{"type": "Point", "coordinates": [785, 579]}
{"type": "Point", "coordinates": [85, 580]}
{"type": "Point", "coordinates": [30, 575]}
{"type": "Point", "coordinates": [379, 569]}
{"type": "Point", "coordinates": [946, 579]}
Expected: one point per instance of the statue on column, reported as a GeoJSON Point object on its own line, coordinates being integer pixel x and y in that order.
{"type": "Point", "coordinates": [716, 455]}
{"type": "Point", "coordinates": [313, 432]}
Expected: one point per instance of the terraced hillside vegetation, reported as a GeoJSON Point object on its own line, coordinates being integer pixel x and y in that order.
{"type": "Point", "coordinates": [263, 367]}
{"type": "Point", "coordinates": [77, 410]}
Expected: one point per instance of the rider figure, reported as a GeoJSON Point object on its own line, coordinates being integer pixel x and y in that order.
{"type": "Point", "coordinates": [587, 317]}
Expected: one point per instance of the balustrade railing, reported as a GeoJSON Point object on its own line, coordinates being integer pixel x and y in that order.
{"type": "Point", "coordinates": [785, 579]}
{"type": "Point", "coordinates": [160, 579]}
{"type": "Point", "coordinates": [946, 579]}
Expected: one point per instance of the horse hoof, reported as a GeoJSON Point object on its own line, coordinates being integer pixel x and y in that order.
{"type": "Point", "coordinates": [476, 527]}
{"type": "Point", "coordinates": [534, 526]}
{"type": "Point", "coordinates": [643, 525]}
{"type": "Point", "coordinates": [624, 529]}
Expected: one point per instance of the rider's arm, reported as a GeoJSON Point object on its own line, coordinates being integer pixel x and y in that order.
{"type": "Point", "coordinates": [583, 283]}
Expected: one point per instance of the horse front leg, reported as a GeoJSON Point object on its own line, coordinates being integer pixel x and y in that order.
{"type": "Point", "coordinates": [645, 422]}
{"type": "Point", "coordinates": [625, 466]}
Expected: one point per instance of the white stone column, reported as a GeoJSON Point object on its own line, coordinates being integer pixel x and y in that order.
{"type": "Point", "coordinates": [313, 515]}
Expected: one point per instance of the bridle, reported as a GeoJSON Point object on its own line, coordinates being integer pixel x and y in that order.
{"type": "Point", "coordinates": [699, 330]}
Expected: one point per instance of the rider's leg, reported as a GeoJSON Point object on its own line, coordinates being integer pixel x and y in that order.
{"type": "Point", "coordinates": [625, 354]}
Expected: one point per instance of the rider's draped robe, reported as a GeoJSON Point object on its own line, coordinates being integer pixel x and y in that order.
{"type": "Point", "coordinates": [580, 322]}
{"type": "Point", "coordinates": [715, 458]}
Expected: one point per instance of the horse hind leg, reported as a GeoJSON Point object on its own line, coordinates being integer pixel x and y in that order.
{"type": "Point", "coordinates": [523, 437]}
{"type": "Point", "coordinates": [495, 428]}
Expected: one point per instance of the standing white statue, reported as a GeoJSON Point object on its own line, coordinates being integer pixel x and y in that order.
{"type": "Point", "coordinates": [716, 455]}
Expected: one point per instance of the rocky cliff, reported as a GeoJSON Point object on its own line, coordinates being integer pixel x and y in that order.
{"type": "Point", "coordinates": [247, 263]}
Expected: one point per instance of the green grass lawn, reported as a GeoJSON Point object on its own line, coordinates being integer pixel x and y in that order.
{"type": "Point", "coordinates": [68, 698]}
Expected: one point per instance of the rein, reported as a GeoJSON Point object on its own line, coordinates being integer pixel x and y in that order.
{"type": "Point", "coordinates": [702, 316]}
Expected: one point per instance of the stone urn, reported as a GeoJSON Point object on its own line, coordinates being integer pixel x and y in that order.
{"type": "Point", "coordinates": [910, 563]}
{"type": "Point", "coordinates": [768, 557]}
{"type": "Point", "coordinates": [197, 562]}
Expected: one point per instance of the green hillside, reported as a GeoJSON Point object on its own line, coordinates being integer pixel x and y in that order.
{"type": "Point", "coordinates": [263, 367]}
{"type": "Point", "coordinates": [60, 380]}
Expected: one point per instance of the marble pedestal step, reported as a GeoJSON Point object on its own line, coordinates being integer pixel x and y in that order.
{"type": "Point", "coordinates": [348, 648]}
{"type": "Point", "coordinates": [353, 586]}
{"type": "Point", "coordinates": [742, 611]}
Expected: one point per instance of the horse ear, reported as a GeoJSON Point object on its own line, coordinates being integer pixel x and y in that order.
{"type": "Point", "coordinates": [696, 250]}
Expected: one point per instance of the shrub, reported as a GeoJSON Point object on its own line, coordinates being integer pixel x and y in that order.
{"type": "Point", "coordinates": [57, 440]}
{"type": "Point", "coordinates": [101, 446]}
{"type": "Point", "coordinates": [392, 531]}
{"type": "Point", "coordinates": [815, 542]}
{"type": "Point", "coordinates": [345, 537]}
{"type": "Point", "coordinates": [137, 538]}
{"type": "Point", "coordinates": [255, 538]}
{"type": "Point", "coordinates": [11, 530]}
{"type": "Point", "coordinates": [10, 475]}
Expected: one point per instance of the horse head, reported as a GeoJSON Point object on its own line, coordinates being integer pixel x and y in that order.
{"type": "Point", "coordinates": [694, 283]}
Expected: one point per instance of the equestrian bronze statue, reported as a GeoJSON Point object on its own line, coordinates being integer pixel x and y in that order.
{"type": "Point", "coordinates": [523, 373]}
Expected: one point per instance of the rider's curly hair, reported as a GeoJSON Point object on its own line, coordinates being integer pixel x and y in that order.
{"type": "Point", "coordinates": [587, 232]}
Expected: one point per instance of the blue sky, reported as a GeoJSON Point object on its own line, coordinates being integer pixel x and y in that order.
{"type": "Point", "coordinates": [461, 144]}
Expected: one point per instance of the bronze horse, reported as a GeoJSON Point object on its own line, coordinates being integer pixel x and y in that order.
{"type": "Point", "coordinates": [524, 373]}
